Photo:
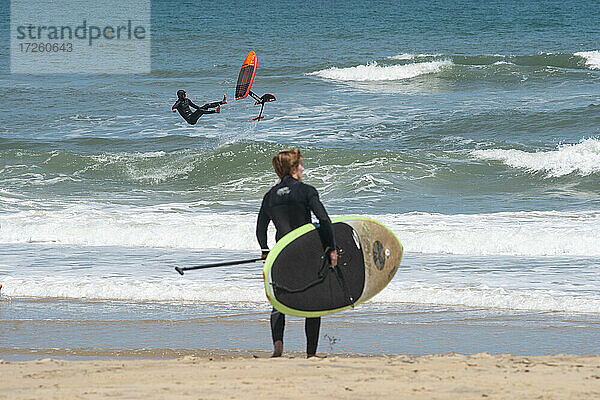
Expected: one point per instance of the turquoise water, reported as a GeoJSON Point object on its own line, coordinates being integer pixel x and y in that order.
{"type": "Point", "coordinates": [470, 129]}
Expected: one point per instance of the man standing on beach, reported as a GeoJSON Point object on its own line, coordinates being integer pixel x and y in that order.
{"type": "Point", "coordinates": [183, 105]}
{"type": "Point", "coordinates": [288, 204]}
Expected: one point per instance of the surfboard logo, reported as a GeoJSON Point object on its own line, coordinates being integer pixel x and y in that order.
{"type": "Point", "coordinates": [283, 191]}
{"type": "Point", "coordinates": [366, 229]}
{"type": "Point", "coordinates": [378, 255]}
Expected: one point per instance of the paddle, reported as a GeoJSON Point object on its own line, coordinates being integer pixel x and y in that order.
{"type": "Point", "coordinates": [222, 264]}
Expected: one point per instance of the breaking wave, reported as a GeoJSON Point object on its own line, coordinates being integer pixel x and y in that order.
{"type": "Point", "coordinates": [582, 158]}
{"type": "Point", "coordinates": [375, 72]}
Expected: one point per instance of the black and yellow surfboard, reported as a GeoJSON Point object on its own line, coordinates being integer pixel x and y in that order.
{"type": "Point", "coordinates": [300, 282]}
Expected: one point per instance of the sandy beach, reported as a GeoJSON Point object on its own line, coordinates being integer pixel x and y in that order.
{"type": "Point", "coordinates": [450, 376]}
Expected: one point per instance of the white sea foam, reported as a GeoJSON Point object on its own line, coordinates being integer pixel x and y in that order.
{"type": "Point", "coordinates": [130, 164]}
{"type": "Point", "coordinates": [376, 72]}
{"type": "Point", "coordinates": [582, 158]}
{"type": "Point", "coordinates": [592, 58]}
{"type": "Point", "coordinates": [89, 225]}
{"type": "Point", "coordinates": [436, 236]}
{"type": "Point", "coordinates": [184, 226]}
{"type": "Point", "coordinates": [490, 297]}
{"type": "Point", "coordinates": [126, 157]}
{"type": "Point", "coordinates": [403, 56]}
{"type": "Point", "coordinates": [548, 233]}
{"type": "Point", "coordinates": [408, 56]}
{"type": "Point", "coordinates": [176, 288]}
{"type": "Point", "coordinates": [145, 289]}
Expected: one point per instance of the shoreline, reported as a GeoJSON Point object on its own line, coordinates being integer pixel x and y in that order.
{"type": "Point", "coordinates": [49, 328]}
{"type": "Point", "coordinates": [77, 355]}
{"type": "Point", "coordinates": [448, 376]}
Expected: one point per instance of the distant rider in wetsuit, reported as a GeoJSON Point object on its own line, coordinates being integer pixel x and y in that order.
{"type": "Point", "coordinates": [288, 204]}
{"type": "Point", "coordinates": [183, 105]}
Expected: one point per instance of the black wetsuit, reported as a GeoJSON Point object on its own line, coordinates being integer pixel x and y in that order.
{"type": "Point", "coordinates": [288, 204]}
{"type": "Point", "coordinates": [183, 106]}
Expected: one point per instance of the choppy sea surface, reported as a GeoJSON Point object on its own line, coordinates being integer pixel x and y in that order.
{"type": "Point", "coordinates": [471, 130]}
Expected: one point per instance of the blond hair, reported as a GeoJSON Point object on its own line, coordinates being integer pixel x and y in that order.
{"type": "Point", "coordinates": [284, 161]}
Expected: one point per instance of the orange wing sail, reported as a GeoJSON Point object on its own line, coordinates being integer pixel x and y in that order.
{"type": "Point", "coordinates": [246, 76]}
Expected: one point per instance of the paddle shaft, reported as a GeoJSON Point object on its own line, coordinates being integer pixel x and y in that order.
{"type": "Point", "coordinates": [222, 264]}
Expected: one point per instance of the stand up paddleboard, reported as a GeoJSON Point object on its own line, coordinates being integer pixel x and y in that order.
{"type": "Point", "coordinates": [300, 282]}
{"type": "Point", "coordinates": [244, 84]}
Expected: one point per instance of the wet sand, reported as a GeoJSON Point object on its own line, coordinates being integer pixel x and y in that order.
{"type": "Point", "coordinates": [207, 376]}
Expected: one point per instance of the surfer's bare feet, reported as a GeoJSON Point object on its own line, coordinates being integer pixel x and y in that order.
{"type": "Point", "coordinates": [224, 101]}
{"type": "Point", "coordinates": [277, 348]}
{"type": "Point", "coordinates": [315, 356]}
{"type": "Point", "coordinates": [218, 110]}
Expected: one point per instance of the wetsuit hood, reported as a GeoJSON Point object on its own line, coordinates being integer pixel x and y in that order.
{"type": "Point", "coordinates": [181, 94]}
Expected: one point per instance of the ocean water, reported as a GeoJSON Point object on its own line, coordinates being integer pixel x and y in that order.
{"type": "Point", "coordinates": [471, 129]}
